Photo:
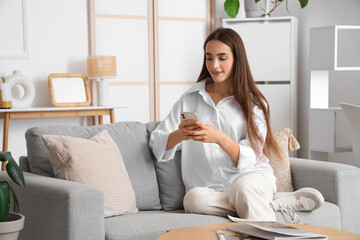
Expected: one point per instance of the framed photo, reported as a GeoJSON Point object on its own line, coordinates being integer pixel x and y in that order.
{"type": "Point", "coordinates": [69, 90]}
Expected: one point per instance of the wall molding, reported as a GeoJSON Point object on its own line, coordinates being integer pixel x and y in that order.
{"type": "Point", "coordinates": [23, 51]}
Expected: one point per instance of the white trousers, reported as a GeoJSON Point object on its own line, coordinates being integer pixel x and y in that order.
{"type": "Point", "coordinates": [249, 198]}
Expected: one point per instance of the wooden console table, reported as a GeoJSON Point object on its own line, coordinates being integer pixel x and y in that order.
{"type": "Point", "coordinates": [47, 112]}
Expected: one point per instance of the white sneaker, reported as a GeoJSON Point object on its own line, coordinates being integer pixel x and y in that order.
{"type": "Point", "coordinates": [289, 215]}
{"type": "Point", "coordinates": [302, 200]}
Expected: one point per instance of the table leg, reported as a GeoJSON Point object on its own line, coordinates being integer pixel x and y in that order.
{"type": "Point", "coordinates": [5, 137]}
{"type": "Point", "coordinates": [112, 116]}
{"type": "Point", "coordinates": [93, 120]}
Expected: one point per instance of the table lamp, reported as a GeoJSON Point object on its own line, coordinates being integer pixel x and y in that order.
{"type": "Point", "coordinates": [101, 68]}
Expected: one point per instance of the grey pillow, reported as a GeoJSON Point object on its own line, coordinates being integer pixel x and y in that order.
{"type": "Point", "coordinates": [132, 141]}
{"type": "Point", "coordinates": [171, 186]}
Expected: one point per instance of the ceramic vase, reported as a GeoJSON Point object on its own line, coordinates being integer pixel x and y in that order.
{"type": "Point", "coordinates": [9, 230]}
{"type": "Point", "coordinates": [259, 9]}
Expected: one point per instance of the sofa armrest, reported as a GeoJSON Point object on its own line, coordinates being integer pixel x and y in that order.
{"type": "Point", "coordinates": [339, 184]}
{"type": "Point", "coordinates": [59, 210]}
{"type": "Point", "coordinates": [24, 164]}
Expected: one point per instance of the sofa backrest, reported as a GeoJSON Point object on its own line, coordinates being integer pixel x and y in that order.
{"type": "Point", "coordinates": [132, 140]}
{"type": "Point", "coordinates": [171, 186]}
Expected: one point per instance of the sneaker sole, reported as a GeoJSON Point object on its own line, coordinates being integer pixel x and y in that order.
{"type": "Point", "coordinates": [305, 192]}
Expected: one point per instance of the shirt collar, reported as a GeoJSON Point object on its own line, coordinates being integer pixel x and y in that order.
{"type": "Point", "coordinates": [199, 86]}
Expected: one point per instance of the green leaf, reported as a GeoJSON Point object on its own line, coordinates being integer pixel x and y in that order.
{"type": "Point", "coordinates": [303, 3]}
{"type": "Point", "coordinates": [5, 156]}
{"type": "Point", "coordinates": [232, 7]}
{"type": "Point", "coordinates": [12, 168]}
{"type": "Point", "coordinates": [4, 200]}
{"type": "Point", "coordinates": [15, 172]}
{"type": "Point", "coordinates": [256, 1]}
{"type": "Point", "coordinates": [15, 200]}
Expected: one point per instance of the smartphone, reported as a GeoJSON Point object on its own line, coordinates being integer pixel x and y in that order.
{"type": "Point", "coordinates": [189, 116]}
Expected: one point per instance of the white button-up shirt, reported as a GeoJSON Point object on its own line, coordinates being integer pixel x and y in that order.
{"type": "Point", "coordinates": [207, 164]}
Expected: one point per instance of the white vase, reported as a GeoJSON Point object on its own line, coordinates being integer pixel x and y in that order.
{"type": "Point", "coordinates": [17, 78]}
{"type": "Point", "coordinates": [259, 9]}
{"type": "Point", "coordinates": [9, 230]}
{"type": "Point", "coordinates": [103, 97]}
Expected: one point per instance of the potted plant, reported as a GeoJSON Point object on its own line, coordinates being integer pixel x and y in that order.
{"type": "Point", "coordinates": [232, 6]}
{"type": "Point", "coordinates": [10, 223]}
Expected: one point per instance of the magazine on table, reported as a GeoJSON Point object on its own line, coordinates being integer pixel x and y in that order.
{"type": "Point", "coordinates": [271, 231]}
{"type": "Point", "coordinates": [243, 220]}
{"type": "Point", "coordinates": [230, 235]}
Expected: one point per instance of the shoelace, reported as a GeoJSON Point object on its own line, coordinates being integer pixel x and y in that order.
{"type": "Point", "coordinates": [299, 204]}
{"type": "Point", "coordinates": [287, 211]}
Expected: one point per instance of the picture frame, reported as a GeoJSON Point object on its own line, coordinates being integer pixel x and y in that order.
{"type": "Point", "coordinates": [69, 90]}
{"type": "Point", "coordinates": [14, 43]}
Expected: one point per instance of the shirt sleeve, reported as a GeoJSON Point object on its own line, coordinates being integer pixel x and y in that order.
{"type": "Point", "coordinates": [159, 137]}
{"type": "Point", "coordinates": [247, 155]}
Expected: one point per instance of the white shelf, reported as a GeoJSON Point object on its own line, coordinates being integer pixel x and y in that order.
{"type": "Point", "coordinates": [332, 48]}
{"type": "Point", "coordinates": [327, 44]}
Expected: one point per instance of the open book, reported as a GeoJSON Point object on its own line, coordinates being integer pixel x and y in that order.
{"type": "Point", "coordinates": [272, 231]}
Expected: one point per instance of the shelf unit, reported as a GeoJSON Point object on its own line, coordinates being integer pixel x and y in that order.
{"type": "Point", "coordinates": [332, 48]}
{"type": "Point", "coordinates": [271, 47]}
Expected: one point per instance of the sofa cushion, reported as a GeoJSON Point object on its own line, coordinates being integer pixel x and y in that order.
{"type": "Point", "coordinates": [150, 224]}
{"type": "Point", "coordinates": [132, 141]}
{"type": "Point", "coordinates": [96, 162]}
{"type": "Point", "coordinates": [281, 164]}
{"type": "Point", "coordinates": [171, 186]}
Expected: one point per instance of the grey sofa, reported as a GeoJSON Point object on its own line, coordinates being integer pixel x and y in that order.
{"type": "Point", "coordinates": [62, 210]}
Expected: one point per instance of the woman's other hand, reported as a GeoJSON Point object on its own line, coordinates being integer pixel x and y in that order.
{"type": "Point", "coordinates": [203, 133]}
{"type": "Point", "coordinates": [209, 134]}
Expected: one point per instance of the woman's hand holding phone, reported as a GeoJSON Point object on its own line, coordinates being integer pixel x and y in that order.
{"type": "Point", "coordinates": [197, 131]}
{"type": "Point", "coordinates": [182, 133]}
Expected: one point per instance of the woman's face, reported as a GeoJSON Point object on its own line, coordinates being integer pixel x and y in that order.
{"type": "Point", "coordinates": [219, 60]}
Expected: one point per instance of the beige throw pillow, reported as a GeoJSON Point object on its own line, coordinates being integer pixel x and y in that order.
{"type": "Point", "coordinates": [281, 164]}
{"type": "Point", "coordinates": [96, 162]}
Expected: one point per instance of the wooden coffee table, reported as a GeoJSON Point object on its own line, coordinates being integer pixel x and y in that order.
{"type": "Point", "coordinates": [208, 232]}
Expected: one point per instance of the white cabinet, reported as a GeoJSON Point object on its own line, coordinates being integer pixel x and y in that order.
{"type": "Point", "coordinates": [271, 47]}
{"type": "Point", "coordinates": [279, 104]}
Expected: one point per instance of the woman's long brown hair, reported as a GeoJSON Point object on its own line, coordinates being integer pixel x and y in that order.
{"type": "Point", "coordinates": [244, 89]}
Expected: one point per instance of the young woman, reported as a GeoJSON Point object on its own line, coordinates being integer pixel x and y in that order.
{"type": "Point", "coordinates": [224, 165]}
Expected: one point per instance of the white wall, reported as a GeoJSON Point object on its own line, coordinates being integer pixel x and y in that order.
{"type": "Point", "coordinates": [58, 43]}
{"type": "Point", "coordinates": [344, 86]}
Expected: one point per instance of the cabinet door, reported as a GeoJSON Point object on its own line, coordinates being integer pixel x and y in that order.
{"type": "Point", "coordinates": [268, 47]}
{"type": "Point", "coordinates": [279, 104]}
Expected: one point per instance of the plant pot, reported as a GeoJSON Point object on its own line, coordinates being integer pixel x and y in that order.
{"type": "Point", "coordinates": [10, 229]}
{"type": "Point", "coordinates": [254, 10]}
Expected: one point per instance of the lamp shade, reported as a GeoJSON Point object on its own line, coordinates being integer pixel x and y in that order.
{"type": "Point", "coordinates": [101, 67]}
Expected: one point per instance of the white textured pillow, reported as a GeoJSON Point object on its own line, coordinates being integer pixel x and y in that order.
{"type": "Point", "coordinates": [96, 162]}
{"type": "Point", "coordinates": [281, 164]}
